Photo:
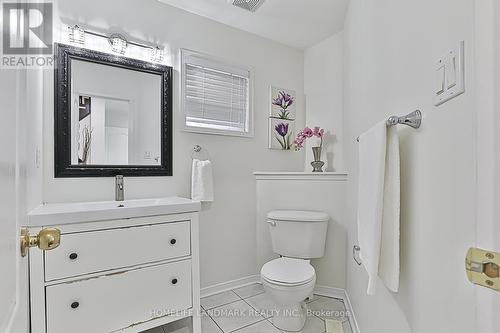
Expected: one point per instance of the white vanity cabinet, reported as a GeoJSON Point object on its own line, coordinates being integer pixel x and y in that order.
{"type": "Point", "coordinates": [124, 274]}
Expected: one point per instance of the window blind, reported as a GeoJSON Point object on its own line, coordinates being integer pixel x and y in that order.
{"type": "Point", "coordinates": [216, 96]}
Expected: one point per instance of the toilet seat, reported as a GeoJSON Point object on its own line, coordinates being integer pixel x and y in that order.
{"type": "Point", "coordinates": [288, 272]}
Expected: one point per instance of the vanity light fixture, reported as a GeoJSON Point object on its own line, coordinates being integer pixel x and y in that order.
{"type": "Point", "coordinates": [118, 43]}
{"type": "Point", "coordinates": [76, 34]}
{"type": "Point", "coordinates": [156, 54]}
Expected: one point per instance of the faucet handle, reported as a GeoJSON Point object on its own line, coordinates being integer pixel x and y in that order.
{"type": "Point", "coordinates": [119, 188]}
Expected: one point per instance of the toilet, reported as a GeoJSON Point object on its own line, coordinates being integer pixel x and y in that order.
{"type": "Point", "coordinates": [297, 236]}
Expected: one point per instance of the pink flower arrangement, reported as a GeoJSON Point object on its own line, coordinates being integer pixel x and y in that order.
{"type": "Point", "coordinates": [307, 133]}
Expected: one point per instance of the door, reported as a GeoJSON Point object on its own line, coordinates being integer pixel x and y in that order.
{"type": "Point", "coordinates": [487, 63]}
{"type": "Point", "coordinates": [13, 277]}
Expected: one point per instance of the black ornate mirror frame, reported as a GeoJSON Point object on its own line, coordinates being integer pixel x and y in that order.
{"type": "Point", "coordinates": [62, 117]}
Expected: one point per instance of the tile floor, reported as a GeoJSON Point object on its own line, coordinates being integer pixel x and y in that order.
{"type": "Point", "coordinates": [249, 310]}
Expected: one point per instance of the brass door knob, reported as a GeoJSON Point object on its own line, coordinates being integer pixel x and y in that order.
{"type": "Point", "coordinates": [483, 268]}
{"type": "Point", "coordinates": [47, 239]}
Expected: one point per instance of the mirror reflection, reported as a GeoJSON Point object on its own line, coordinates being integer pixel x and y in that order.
{"type": "Point", "coordinates": [115, 115]}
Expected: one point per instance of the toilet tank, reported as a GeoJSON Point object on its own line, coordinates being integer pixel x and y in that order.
{"type": "Point", "coordinates": [298, 234]}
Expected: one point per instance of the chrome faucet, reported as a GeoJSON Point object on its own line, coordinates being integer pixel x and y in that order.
{"type": "Point", "coordinates": [119, 188]}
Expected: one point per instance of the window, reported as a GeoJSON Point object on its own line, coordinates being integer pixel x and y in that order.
{"type": "Point", "coordinates": [216, 96]}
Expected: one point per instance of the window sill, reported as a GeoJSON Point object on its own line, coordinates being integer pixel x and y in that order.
{"type": "Point", "coordinates": [210, 131]}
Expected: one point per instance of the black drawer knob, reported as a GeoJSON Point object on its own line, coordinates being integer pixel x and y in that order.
{"type": "Point", "coordinates": [75, 305]}
{"type": "Point", "coordinates": [174, 281]}
{"type": "Point", "coordinates": [73, 256]}
{"type": "Point", "coordinates": [173, 241]}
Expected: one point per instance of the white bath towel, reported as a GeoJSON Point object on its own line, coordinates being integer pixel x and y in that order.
{"type": "Point", "coordinates": [379, 205]}
{"type": "Point", "coordinates": [202, 183]}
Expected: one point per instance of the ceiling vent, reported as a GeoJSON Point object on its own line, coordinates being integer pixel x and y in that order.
{"type": "Point", "coordinates": [251, 5]}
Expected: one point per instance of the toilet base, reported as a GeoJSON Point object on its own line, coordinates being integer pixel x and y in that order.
{"type": "Point", "coordinates": [291, 309]}
{"type": "Point", "coordinates": [291, 318]}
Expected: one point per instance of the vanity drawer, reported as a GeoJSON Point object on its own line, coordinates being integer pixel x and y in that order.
{"type": "Point", "coordinates": [113, 302]}
{"type": "Point", "coordinates": [96, 251]}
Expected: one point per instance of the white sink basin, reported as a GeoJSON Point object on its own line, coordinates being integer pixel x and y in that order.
{"type": "Point", "coordinates": [66, 213]}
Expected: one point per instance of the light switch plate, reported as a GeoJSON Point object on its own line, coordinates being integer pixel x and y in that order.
{"type": "Point", "coordinates": [451, 70]}
{"type": "Point", "coordinates": [440, 78]}
{"type": "Point", "coordinates": [453, 63]}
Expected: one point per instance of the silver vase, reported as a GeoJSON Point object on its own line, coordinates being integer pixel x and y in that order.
{"type": "Point", "coordinates": [317, 164]}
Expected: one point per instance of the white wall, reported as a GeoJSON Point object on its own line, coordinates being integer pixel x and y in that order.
{"type": "Point", "coordinates": [34, 137]}
{"type": "Point", "coordinates": [391, 47]}
{"type": "Point", "coordinates": [323, 87]}
{"type": "Point", "coordinates": [228, 225]}
{"type": "Point", "coordinates": [321, 193]}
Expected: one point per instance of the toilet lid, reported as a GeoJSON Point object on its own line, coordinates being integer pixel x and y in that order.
{"type": "Point", "coordinates": [288, 270]}
{"type": "Point", "coordinates": [298, 215]}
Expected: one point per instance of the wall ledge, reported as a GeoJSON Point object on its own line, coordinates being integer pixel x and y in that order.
{"type": "Point", "coordinates": [314, 176]}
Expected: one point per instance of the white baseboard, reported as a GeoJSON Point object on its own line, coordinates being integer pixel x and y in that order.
{"type": "Point", "coordinates": [329, 291]}
{"type": "Point", "coordinates": [340, 294]}
{"type": "Point", "coordinates": [225, 286]}
{"type": "Point", "coordinates": [352, 320]}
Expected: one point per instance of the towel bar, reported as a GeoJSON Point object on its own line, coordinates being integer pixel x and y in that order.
{"type": "Point", "coordinates": [198, 149]}
{"type": "Point", "coordinates": [413, 119]}
{"type": "Point", "coordinates": [355, 250]}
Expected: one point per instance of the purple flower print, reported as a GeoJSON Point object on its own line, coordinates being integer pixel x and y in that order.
{"type": "Point", "coordinates": [282, 130]}
{"type": "Point", "coordinates": [284, 101]}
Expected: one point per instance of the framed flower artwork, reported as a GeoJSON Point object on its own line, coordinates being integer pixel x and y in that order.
{"type": "Point", "coordinates": [282, 118]}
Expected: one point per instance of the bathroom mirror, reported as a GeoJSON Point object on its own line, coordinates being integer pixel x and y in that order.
{"type": "Point", "coordinates": [113, 115]}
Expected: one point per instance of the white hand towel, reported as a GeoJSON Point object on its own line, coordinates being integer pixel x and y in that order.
{"type": "Point", "coordinates": [388, 268]}
{"type": "Point", "coordinates": [202, 183]}
{"type": "Point", "coordinates": [379, 205]}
